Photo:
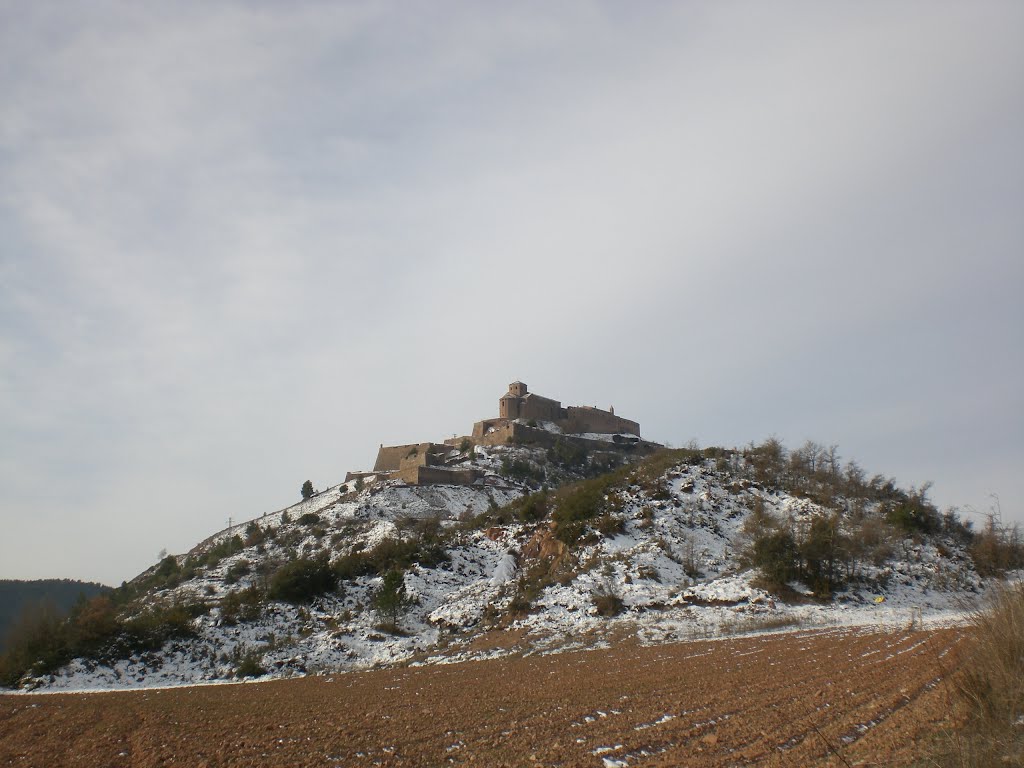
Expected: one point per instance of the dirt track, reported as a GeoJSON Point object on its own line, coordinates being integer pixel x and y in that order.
{"type": "Point", "coordinates": [770, 700]}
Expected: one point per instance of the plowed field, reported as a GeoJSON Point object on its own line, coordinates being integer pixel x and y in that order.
{"type": "Point", "coordinates": [788, 700]}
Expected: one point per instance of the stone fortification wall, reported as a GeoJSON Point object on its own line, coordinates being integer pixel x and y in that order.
{"type": "Point", "coordinates": [516, 433]}
{"type": "Point", "coordinates": [424, 475]}
{"type": "Point", "coordinates": [481, 427]}
{"type": "Point", "coordinates": [498, 436]}
{"type": "Point", "coordinates": [540, 408]}
{"type": "Point", "coordinates": [587, 419]}
{"type": "Point", "coordinates": [423, 463]}
{"type": "Point", "coordinates": [517, 403]}
{"type": "Point", "coordinates": [350, 476]}
{"type": "Point", "coordinates": [508, 406]}
{"type": "Point", "coordinates": [513, 432]}
{"type": "Point", "coordinates": [391, 458]}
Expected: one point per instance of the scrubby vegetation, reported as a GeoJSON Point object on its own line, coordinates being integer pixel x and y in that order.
{"type": "Point", "coordinates": [870, 516]}
{"type": "Point", "coordinates": [989, 688]}
{"type": "Point", "coordinates": [16, 597]}
{"type": "Point", "coordinates": [820, 553]}
{"type": "Point", "coordinates": [247, 662]}
{"type": "Point", "coordinates": [44, 640]}
{"type": "Point", "coordinates": [241, 605]}
{"type": "Point", "coordinates": [997, 549]}
{"type": "Point", "coordinates": [237, 570]}
{"type": "Point", "coordinates": [523, 470]}
{"type": "Point", "coordinates": [225, 548]}
{"type": "Point", "coordinates": [683, 507]}
{"type": "Point", "coordinates": [594, 505]}
{"type": "Point", "coordinates": [568, 455]}
{"type": "Point", "coordinates": [867, 518]}
{"type": "Point", "coordinates": [424, 545]}
{"type": "Point", "coordinates": [390, 600]}
{"type": "Point", "coordinates": [817, 473]}
{"type": "Point", "coordinates": [607, 601]}
{"type": "Point", "coordinates": [301, 580]}
{"type": "Point", "coordinates": [579, 503]}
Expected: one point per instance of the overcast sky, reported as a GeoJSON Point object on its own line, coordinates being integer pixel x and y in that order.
{"type": "Point", "coordinates": [242, 243]}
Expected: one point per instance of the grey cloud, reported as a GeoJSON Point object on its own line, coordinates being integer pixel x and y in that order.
{"type": "Point", "coordinates": [244, 243]}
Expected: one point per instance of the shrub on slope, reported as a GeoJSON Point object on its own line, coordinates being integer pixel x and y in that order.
{"type": "Point", "coordinates": [43, 641]}
{"type": "Point", "coordinates": [299, 581]}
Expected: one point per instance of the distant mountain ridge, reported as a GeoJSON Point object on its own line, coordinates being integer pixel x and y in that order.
{"type": "Point", "coordinates": [16, 596]}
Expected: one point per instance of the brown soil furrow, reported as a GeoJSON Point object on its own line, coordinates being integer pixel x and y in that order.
{"type": "Point", "coordinates": [769, 700]}
{"type": "Point", "coordinates": [801, 724]}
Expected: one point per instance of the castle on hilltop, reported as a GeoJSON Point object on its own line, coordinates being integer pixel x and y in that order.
{"type": "Point", "coordinates": [520, 405]}
{"type": "Point", "coordinates": [524, 418]}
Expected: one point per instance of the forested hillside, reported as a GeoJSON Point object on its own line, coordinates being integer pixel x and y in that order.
{"type": "Point", "coordinates": [57, 595]}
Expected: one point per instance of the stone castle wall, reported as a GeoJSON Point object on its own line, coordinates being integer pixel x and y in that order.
{"type": "Point", "coordinates": [514, 432]}
{"type": "Point", "coordinates": [481, 427]}
{"type": "Point", "coordinates": [535, 407]}
{"type": "Point", "coordinates": [391, 458]}
{"type": "Point", "coordinates": [571, 420]}
{"type": "Point", "coordinates": [425, 475]}
{"type": "Point", "coordinates": [586, 419]}
{"type": "Point", "coordinates": [422, 463]}
{"type": "Point", "coordinates": [517, 433]}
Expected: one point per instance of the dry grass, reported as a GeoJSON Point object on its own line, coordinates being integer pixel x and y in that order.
{"type": "Point", "coordinates": [607, 602]}
{"type": "Point", "coordinates": [990, 686]}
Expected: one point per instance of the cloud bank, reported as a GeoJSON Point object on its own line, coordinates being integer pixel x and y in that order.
{"type": "Point", "coordinates": [243, 243]}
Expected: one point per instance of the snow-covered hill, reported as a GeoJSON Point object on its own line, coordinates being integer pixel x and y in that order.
{"type": "Point", "coordinates": [482, 578]}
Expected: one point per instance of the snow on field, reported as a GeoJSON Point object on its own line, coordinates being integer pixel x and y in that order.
{"type": "Point", "coordinates": [674, 567]}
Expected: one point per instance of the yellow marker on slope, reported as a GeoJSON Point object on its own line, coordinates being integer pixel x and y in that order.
{"type": "Point", "coordinates": [879, 599]}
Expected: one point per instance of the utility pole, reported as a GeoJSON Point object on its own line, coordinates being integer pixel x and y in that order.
{"type": "Point", "coordinates": [997, 508]}
{"type": "Point", "coordinates": [229, 523]}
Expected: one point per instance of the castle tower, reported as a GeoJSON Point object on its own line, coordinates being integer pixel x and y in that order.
{"type": "Point", "coordinates": [517, 388]}
{"type": "Point", "coordinates": [508, 406]}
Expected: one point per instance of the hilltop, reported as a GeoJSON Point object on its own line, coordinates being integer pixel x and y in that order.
{"type": "Point", "coordinates": [549, 549]}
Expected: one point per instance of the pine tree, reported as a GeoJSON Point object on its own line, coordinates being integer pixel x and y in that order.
{"type": "Point", "coordinates": [390, 600]}
{"type": "Point", "coordinates": [307, 489]}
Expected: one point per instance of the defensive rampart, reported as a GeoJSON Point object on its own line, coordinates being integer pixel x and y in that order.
{"type": "Point", "coordinates": [580, 419]}
{"type": "Point", "coordinates": [423, 463]}
{"type": "Point", "coordinates": [391, 458]}
{"type": "Point", "coordinates": [438, 475]}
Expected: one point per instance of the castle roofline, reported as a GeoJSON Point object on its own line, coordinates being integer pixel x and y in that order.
{"type": "Point", "coordinates": [535, 396]}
